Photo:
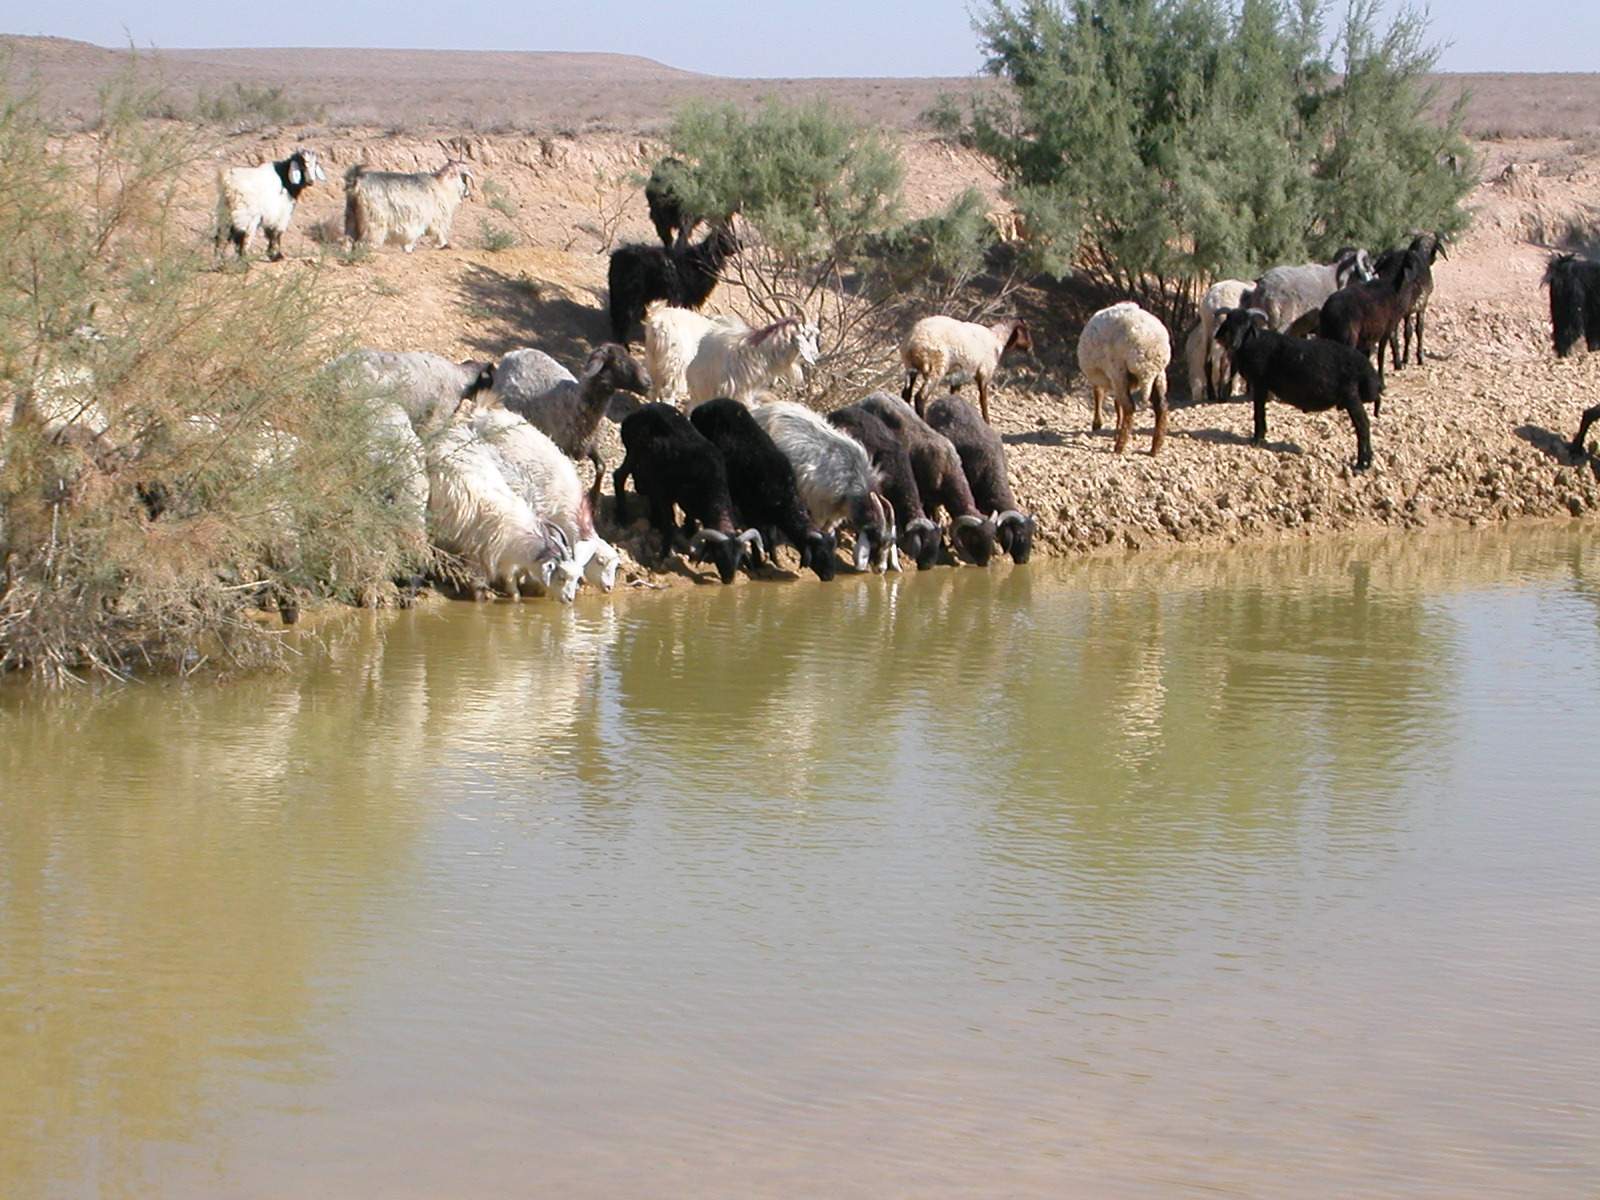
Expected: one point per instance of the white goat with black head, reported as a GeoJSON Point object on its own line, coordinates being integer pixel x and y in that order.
{"type": "Point", "coordinates": [263, 197]}
{"type": "Point", "coordinates": [403, 206]}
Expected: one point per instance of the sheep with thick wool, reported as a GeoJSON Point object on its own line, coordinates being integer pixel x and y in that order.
{"type": "Point", "coordinates": [403, 206]}
{"type": "Point", "coordinates": [263, 197]}
{"type": "Point", "coordinates": [937, 346]}
{"type": "Point", "coordinates": [1124, 350]}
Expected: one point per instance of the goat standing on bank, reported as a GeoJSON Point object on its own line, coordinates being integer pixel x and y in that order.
{"type": "Point", "coordinates": [1311, 374]}
{"type": "Point", "coordinates": [983, 459]}
{"type": "Point", "coordinates": [263, 197]}
{"type": "Point", "coordinates": [1574, 285]}
{"type": "Point", "coordinates": [384, 206]}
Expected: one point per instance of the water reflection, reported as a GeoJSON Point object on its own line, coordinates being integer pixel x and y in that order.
{"type": "Point", "coordinates": [969, 881]}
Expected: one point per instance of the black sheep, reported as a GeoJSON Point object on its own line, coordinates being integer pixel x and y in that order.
{"type": "Point", "coordinates": [940, 480]}
{"type": "Point", "coordinates": [918, 536]}
{"type": "Point", "coordinates": [983, 458]}
{"type": "Point", "coordinates": [761, 484]}
{"type": "Point", "coordinates": [1574, 285]}
{"type": "Point", "coordinates": [671, 462]}
{"type": "Point", "coordinates": [1429, 248]}
{"type": "Point", "coordinates": [683, 275]}
{"type": "Point", "coordinates": [666, 210]}
{"type": "Point", "coordinates": [1313, 375]}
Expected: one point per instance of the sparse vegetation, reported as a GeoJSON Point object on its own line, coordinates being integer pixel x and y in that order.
{"type": "Point", "coordinates": [495, 238]}
{"type": "Point", "coordinates": [174, 451]}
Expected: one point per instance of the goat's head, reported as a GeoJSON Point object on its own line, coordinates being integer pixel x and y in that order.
{"type": "Point", "coordinates": [620, 369]}
{"type": "Point", "coordinates": [921, 539]}
{"type": "Point", "coordinates": [875, 534]}
{"type": "Point", "coordinates": [1015, 531]}
{"type": "Point", "coordinates": [1238, 326]}
{"type": "Point", "coordinates": [974, 538]}
{"type": "Point", "coordinates": [479, 378]}
{"type": "Point", "coordinates": [820, 553]}
{"type": "Point", "coordinates": [724, 551]}
{"type": "Point", "coordinates": [1351, 263]}
{"type": "Point", "coordinates": [599, 561]}
{"type": "Point", "coordinates": [305, 169]}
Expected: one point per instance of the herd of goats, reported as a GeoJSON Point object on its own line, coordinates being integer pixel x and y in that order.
{"type": "Point", "coordinates": [497, 482]}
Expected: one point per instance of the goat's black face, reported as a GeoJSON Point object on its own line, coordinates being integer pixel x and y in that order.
{"type": "Point", "coordinates": [725, 554]}
{"type": "Point", "coordinates": [1016, 537]}
{"type": "Point", "coordinates": [820, 554]}
{"type": "Point", "coordinates": [1236, 328]}
{"type": "Point", "coordinates": [483, 381]}
{"type": "Point", "coordinates": [974, 539]}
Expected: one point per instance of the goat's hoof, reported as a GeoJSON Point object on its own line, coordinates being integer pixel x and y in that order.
{"type": "Point", "coordinates": [1577, 451]}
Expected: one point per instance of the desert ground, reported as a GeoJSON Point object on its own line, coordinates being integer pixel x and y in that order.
{"type": "Point", "coordinates": [1474, 435]}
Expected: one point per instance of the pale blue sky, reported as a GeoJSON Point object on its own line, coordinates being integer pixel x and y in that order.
{"type": "Point", "coordinates": [727, 37]}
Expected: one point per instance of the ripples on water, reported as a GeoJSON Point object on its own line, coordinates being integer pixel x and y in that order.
{"type": "Point", "coordinates": [1267, 874]}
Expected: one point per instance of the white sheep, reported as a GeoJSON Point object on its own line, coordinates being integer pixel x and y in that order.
{"type": "Point", "coordinates": [740, 362]}
{"type": "Point", "coordinates": [397, 450]}
{"type": "Point", "coordinates": [1125, 351]}
{"type": "Point", "coordinates": [263, 197]}
{"type": "Point", "coordinates": [474, 513]}
{"type": "Point", "coordinates": [1219, 298]}
{"type": "Point", "coordinates": [937, 346]}
{"type": "Point", "coordinates": [383, 206]}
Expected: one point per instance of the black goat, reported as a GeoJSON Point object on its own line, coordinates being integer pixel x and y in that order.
{"type": "Point", "coordinates": [940, 480]}
{"type": "Point", "coordinates": [671, 462]}
{"type": "Point", "coordinates": [1574, 285]}
{"type": "Point", "coordinates": [666, 209]}
{"type": "Point", "coordinates": [683, 275]}
{"type": "Point", "coordinates": [918, 536]}
{"type": "Point", "coordinates": [983, 459]}
{"type": "Point", "coordinates": [1429, 248]}
{"type": "Point", "coordinates": [761, 484]}
{"type": "Point", "coordinates": [1313, 375]}
{"type": "Point", "coordinates": [1368, 316]}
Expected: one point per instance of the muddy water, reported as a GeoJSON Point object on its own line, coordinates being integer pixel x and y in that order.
{"type": "Point", "coordinates": [1252, 875]}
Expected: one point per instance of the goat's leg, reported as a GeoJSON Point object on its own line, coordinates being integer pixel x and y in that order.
{"type": "Point", "coordinates": [1097, 421]}
{"type": "Point", "coordinates": [1358, 418]}
{"type": "Point", "coordinates": [1590, 416]}
{"type": "Point", "coordinates": [908, 393]}
{"type": "Point", "coordinates": [274, 246]}
{"type": "Point", "coordinates": [983, 398]}
{"type": "Point", "coordinates": [1419, 317]}
{"type": "Point", "coordinates": [1258, 398]}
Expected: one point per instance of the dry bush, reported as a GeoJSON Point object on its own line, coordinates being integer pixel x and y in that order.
{"type": "Point", "coordinates": [175, 453]}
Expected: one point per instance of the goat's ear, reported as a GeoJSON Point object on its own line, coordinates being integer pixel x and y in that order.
{"type": "Point", "coordinates": [1258, 319]}
{"type": "Point", "coordinates": [295, 177]}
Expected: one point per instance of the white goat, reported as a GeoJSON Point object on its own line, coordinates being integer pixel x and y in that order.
{"type": "Point", "coordinates": [1286, 294]}
{"type": "Point", "coordinates": [937, 346]}
{"type": "Point", "coordinates": [263, 197]}
{"type": "Point", "coordinates": [429, 387]}
{"type": "Point", "coordinates": [397, 450]}
{"type": "Point", "coordinates": [383, 206]}
{"type": "Point", "coordinates": [671, 338]}
{"type": "Point", "coordinates": [1125, 351]}
{"type": "Point", "coordinates": [739, 362]}
{"type": "Point", "coordinates": [475, 514]}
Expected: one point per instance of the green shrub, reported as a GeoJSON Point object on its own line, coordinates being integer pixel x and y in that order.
{"type": "Point", "coordinates": [1156, 144]}
{"type": "Point", "coordinates": [495, 237]}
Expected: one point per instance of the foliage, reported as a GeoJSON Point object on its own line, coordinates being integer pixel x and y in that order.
{"type": "Point", "coordinates": [495, 237]}
{"type": "Point", "coordinates": [1156, 144]}
{"type": "Point", "coordinates": [171, 447]}
{"type": "Point", "coordinates": [819, 205]}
